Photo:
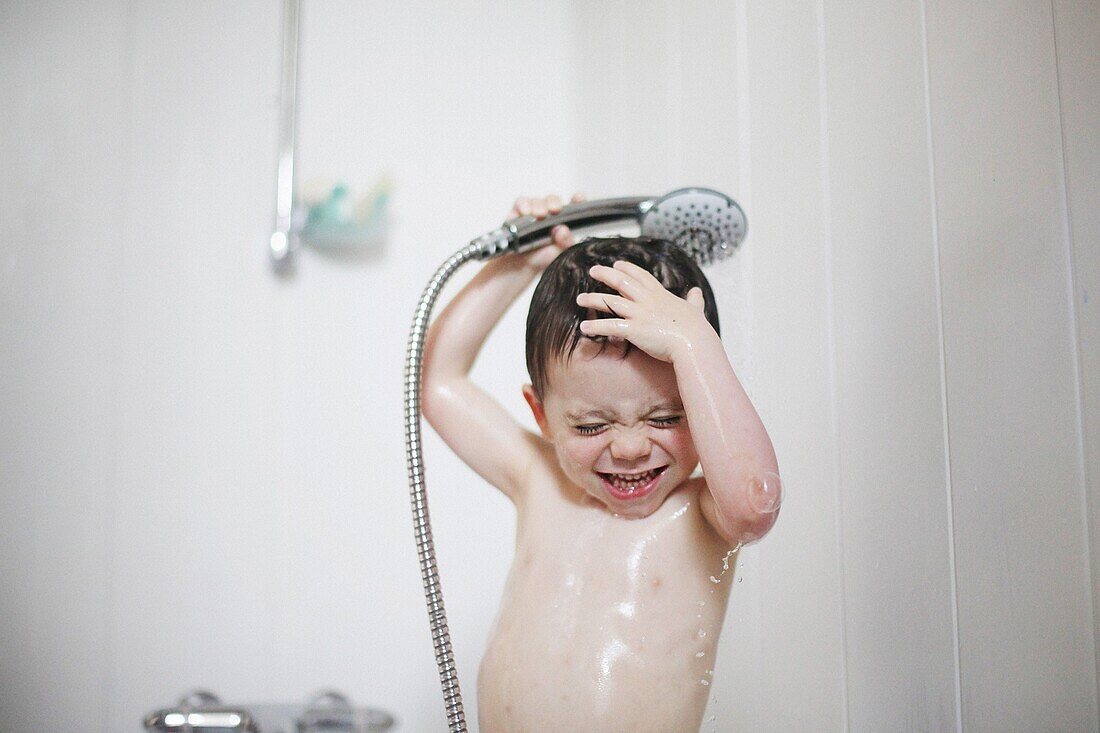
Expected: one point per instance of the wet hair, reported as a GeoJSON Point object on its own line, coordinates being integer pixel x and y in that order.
{"type": "Point", "coordinates": [554, 320]}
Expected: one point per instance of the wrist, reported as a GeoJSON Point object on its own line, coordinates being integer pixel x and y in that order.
{"type": "Point", "coordinates": [514, 265]}
{"type": "Point", "coordinates": [691, 343]}
{"type": "Point", "coordinates": [537, 259]}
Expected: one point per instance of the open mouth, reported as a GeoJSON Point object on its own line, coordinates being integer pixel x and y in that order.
{"type": "Point", "coordinates": [627, 486]}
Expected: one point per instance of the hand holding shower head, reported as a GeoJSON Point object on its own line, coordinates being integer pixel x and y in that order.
{"type": "Point", "coordinates": [708, 224]}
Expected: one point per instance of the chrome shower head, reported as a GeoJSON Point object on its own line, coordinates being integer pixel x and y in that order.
{"type": "Point", "coordinates": [708, 224]}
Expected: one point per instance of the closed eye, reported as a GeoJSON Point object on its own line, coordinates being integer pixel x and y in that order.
{"type": "Point", "coordinates": [665, 422]}
{"type": "Point", "coordinates": [590, 428]}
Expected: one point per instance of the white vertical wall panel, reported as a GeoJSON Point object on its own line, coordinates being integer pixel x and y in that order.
{"type": "Point", "coordinates": [1026, 643]}
{"type": "Point", "coordinates": [894, 506]}
{"type": "Point", "coordinates": [624, 73]}
{"type": "Point", "coordinates": [62, 154]}
{"type": "Point", "coordinates": [194, 595]}
{"type": "Point", "coordinates": [1077, 38]}
{"type": "Point", "coordinates": [784, 671]}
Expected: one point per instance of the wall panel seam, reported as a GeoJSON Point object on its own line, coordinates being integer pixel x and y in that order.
{"type": "Point", "coordinates": [1075, 339]}
{"type": "Point", "coordinates": [674, 92]}
{"type": "Point", "coordinates": [827, 233]}
{"type": "Point", "coordinates": [943, 368]}
{"type": "Point", "coordinates": [109, 668]}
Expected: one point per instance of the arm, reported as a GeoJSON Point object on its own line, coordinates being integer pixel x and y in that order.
{"type": "Point", "coordinates": [742, 501]}
{"type": "Point", "coordinates": [470, 421]}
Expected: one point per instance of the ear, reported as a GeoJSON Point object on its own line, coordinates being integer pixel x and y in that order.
{"type": "Point", "coordinates": [537, 409]}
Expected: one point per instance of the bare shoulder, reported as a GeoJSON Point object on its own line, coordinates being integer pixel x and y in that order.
{"type": "Point", "coordinates": [542, 477]}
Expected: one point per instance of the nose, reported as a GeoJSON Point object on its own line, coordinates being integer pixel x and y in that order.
{"type": "Point", "coordinates": [630, 445]}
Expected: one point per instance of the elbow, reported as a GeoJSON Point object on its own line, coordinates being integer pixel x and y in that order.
{"type": "Point", "coordinates": [433, 398]}
{"type": "Point", "coordinates": [746, 529]}
{"type": "Point", "coordinates": [750, 513]}
{"type": "Point", "coordinates": [757, 526]}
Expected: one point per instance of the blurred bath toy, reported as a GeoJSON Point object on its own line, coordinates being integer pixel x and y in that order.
{"type": "Point", "coordinates": [340, 220]}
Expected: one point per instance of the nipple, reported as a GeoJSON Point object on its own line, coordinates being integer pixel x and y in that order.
{"type": "Point", "coordinates": [765, 493]}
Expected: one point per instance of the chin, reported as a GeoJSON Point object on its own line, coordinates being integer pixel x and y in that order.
{"type": "Point", "coordinates": [639, 510]}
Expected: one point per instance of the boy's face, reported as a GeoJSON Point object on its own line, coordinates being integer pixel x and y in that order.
{"type": "Point", "coordinates": [617, 425]}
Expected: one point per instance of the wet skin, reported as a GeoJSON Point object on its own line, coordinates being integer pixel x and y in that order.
{"type": "Point", "coordinates": [610, 616]}
{"type": "Point", "coordinates": [605, 624]}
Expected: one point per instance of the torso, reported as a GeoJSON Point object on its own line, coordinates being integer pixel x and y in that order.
{"type": "Point", "coordinates": [606, 623]}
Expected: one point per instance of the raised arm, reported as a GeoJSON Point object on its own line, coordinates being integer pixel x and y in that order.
{"type": "Point", "coordinates": [476, 427]}
{"type": "Point", "coordinates": [734, 448]}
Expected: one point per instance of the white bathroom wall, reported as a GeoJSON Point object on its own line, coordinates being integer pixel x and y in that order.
{"type": "Point", "coordinates": [1077, 26]}
{"type": "Point", "coordinates": [202, 465]}
{"type": "Point", "coordinates": [1025, 630]}
{"type": "Point", "coordinates": [63, 151]}
{"type": "Point", "coordinates": [202, 476]}
{"type": "Point", "coordinates": [912, 289]}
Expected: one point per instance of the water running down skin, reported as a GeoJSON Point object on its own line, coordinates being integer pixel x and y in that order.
{"type": "Point", "coordinates": [609, 620]}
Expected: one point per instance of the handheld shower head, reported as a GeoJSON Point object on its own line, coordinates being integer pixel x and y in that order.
{"type": "Point", "coordinates": [708, 224]}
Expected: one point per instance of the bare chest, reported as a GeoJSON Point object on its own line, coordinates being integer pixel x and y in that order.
{"type": "Point", "coordinates": [604, 613]}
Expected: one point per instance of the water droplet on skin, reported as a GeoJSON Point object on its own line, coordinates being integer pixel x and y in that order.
{"type": "Point", "coordinates": [726, 559]}
{"type": "Point", "coordinates": [700, 654]}
{"type": "Point", "coordinates": [702, 634]}
{"type": "Point", "coordinates": [704, 682]}
{"type": "Point", "coordinates": [725, 564]}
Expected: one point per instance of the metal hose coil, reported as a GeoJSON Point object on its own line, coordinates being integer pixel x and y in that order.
{"type": "Point", "coordinates": [429, 572]}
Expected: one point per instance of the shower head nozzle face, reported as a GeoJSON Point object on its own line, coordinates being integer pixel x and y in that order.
{"type": "Point", "coordinates": [708, 224]}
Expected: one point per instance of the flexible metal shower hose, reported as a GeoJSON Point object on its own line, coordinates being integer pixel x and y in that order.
{"type": "Point", "coordinates": [429, 572]}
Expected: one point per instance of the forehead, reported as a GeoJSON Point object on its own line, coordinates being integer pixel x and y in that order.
{"type": "Point", "coordinates": [591, 379]}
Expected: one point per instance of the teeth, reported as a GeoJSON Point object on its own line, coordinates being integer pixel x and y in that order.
{"type": "Point", "coordinates": [630, 481]}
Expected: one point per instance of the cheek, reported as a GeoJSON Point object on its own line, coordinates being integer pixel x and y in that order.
{"type": "Point", "coordinates": [679, 444]}
{"type": "Point", "coordinates": [581, 453]}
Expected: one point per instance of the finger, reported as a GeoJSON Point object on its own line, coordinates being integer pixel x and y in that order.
{"type": "Point", "coordinates": [695, 297]}
{"type": "Point", "coordinates": [642, 275]}
{"type": "Point", "coordinates": [607, 303]}
{"type": "Point", "coordinates": [562, 237]}
{"type": "Point", "coordinates": [617, 279]}
{"type": "Point", "coordinates": [522, 207]}
{"type": "Point", "coordinates": [611, 327]}
{"type": "Point", "coordinates": [553, 203]}
{"type": "Point", "coordinates": [577, 198]}
{"type": "Point", "coordinates": [538, 208]}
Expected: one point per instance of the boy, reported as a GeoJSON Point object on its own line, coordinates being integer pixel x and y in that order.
{"type": "Point", "coordinates": [612, 609]}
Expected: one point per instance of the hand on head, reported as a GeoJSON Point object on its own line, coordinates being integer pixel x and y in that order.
{"type": "Point", "coordinates": [645, 313]}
